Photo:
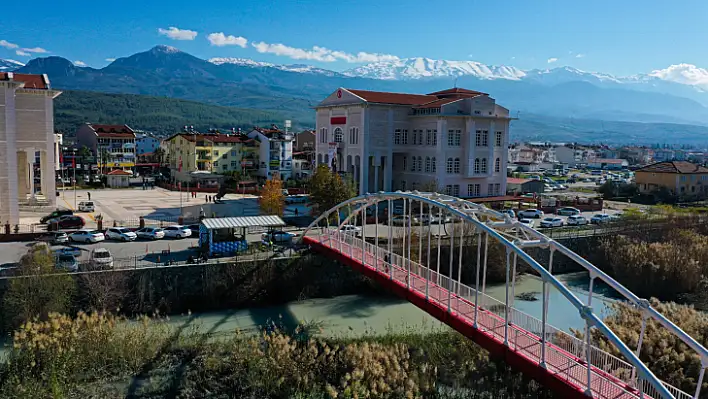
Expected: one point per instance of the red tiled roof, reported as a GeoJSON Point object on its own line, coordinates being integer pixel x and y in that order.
{"type": "Point", "coordinates": [118, 172]}
{"type": "Point", "coordinates": [681, 167]}
{"type": "Point", "coordinates": [30, 81]}
{"type": "Point", "coordinates": [457, 91]}
{"type": "Point", "coordinates": [393, 98]}
{"type": "Point", "coordinates": [116, 135]}
{"type": "Point", "coordinates": [214, 138]}
{"type": "Point", "coordinates": [603, 160]}
{"type": "Point", "coordinates": [438, 103]}
{"type": "Point", "coordinates": [111, 128]}
{"type": "Point", "coordinates": [516, 180]}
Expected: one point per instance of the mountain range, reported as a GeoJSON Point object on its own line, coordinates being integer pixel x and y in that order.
{"type": "Point", "coordinates": [673, 95]}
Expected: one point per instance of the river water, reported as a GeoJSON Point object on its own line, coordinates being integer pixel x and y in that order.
{"type": "Point", "coordinates": [356, 315]}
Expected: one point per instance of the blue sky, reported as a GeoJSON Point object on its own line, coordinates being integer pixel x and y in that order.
{"type": "Point", "coordinates": [618, 37]}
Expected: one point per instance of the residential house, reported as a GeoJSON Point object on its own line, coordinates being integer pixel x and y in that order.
{"type": "Point", "coordinates": [608, 164]}
{"type": "Point", "coordinates": [275, 152]}
{"type": "Point", "coordinates": [524, 186]}
{"type": "Point", "coordinates": [113, 145]}
{"type": "Point", "coordinates": [146, 143]}
{"type": "Point", "coordinates": [453, 139]}
{"type": "Point", "coordinates": [680, 178]}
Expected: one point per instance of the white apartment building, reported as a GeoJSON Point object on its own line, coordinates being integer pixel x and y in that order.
{"type": "Point", "coordinates": [275, 152]}
{"type": "Point", "coordinates": [453, 141]}
{"type": "Point", "coordinates": [26, 127]}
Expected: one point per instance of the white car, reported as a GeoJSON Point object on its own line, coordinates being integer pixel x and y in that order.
{"type": "Point", "coordinates": [351, 229]}
{"type": "Point", "coordinates": [86, 206]}
{"type": "Point", "coordinates": [86, 235]}
{"type": "Point", "coordinates": [150, 233]}
{"type": "Point", "coordinates": [177, 231]}
{"type": "Point", "coordinates": [600, 218]}
{"type": "Point", "coordinates": [526, 222]}
{"type": "Point", "coordinates": [120, 233]}
{"type": "Point", "coordinates": [277, 237]}
{"type": "Point", "coordinates": [101, 258]}
{"type": "Point", "coordinates": [530, 213]}
{"type": "Point", "coordinates": [577, 220]}
{"type": "Point", "coordinates": [552, 222]}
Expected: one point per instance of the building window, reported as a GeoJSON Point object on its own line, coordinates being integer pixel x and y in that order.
{"type": "Point", "coordinates": [490, 189]}
{"type": "Point", "coordinates": [403, 185]}
{"type": "Point", "coordinates": [457, 165]}
{"type": "Point", "coordinates": [448, 189]}
{"type": "Point", "coordinates": [497, 165]}
{"type": "Point", "coordinates": [433, 165]}
{"type": "Point", "coordinates": [683, 178]}
{"type": "Point", "coordinates": [354, 135]}
{"type": "Point", "coordinates": [483, 166]}
{"type": "Point", "coordinates": [397, 136]}
{"type": "Point", "coordinates": [499, 139]}
{"type": "Point", "coordinates": [338, 135]}
{"type": "Point", "coordinates": [413, 163]}
{"type": "Point", "coordinates": [450, 166]}
{"type": "Point", "coordinates": [497, 188]}
{"type": "Point", "coordinates": [485, 138]}
{"type": "Point", "coordinates": [234, 164]}
{"type": "Point", "coordinates": [428, 137]}
{"type": "Point", "coordinates": [454, 138]}
{"type": "Point", "coordinates": [427, 164]}
{"type": "Point", "coordinates": [478, 138]}
{"type": "Point", "coordinates": [404, 136]}
{"type": "Point", "coordinates": [323, 135]}
{"type": "Point", "coordinates": [216, 153]}
{"type": "Point", "coordinates": [405, 163]}
{"type": "Point", "coordinates": [453, 190]}
{"type": "Point", "coordinates": [420, 164]}
{"type": "Point", "coordinates": [450, 135]}
{"type": "Point", "coordinates": [415, 137]}
{"type": "Point", "coordinates": [476, 166]}
{"type": "Point", "coordinates": [435, 137]}
{"type": "Point", "coordinates": [473, 190]}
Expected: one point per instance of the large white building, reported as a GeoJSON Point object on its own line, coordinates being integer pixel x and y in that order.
{"type": "Point", "coordinates": [26, 128]}
{"type": "Point", "coordinates": [453, 140]}
{"type": "Point", "coordinates": [275, 152]}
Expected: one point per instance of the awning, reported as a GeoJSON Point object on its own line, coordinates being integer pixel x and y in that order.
{"type": "Point", "coordinates": [243, 221]}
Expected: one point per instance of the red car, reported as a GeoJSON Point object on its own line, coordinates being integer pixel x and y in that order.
{"type": "Point", "coordinates": [66, 222]}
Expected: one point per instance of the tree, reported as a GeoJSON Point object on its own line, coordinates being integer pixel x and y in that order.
{"type": "Point", "coordinates": [272, 200]}
{"type": "Point", "coordinates": [34, 293]}
{"type": "Point", "coordinates": [328, 189]}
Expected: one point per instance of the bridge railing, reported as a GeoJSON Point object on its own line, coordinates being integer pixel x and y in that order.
{"type": "Point", "coordinates": [564, 353]}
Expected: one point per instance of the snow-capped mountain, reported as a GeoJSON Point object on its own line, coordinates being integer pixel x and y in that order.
{"type": "Point", "coordinates": [10, 65]}
{"type": "Point", "coordinates": [300, 68]}
{"type": "Point", "coordinates": [426, 68]}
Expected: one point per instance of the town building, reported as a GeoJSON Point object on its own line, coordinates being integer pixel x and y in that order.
{"type": "Point", "coordinates": [680, 178]}
{"type": "Point", "coordinates": [524, 186]}
{"type": "Point", "coordinates": [208, 152]}
{"type": "Point", "coordinates": [146, 143]}
{"type": "Point", "coordinates": [664, 155]}
{"type": "Point", "coordinates": [452, 140]}
{"type": "Point", "coordinates": [302, 168]}
{"type": "Point", "coordinates": [26, 128]}
{"type": "Point", "coordinates": [113, 145]}
{"type": "Point", "coordinates": [118, 178]}
{"type": "Point", "coordinates": [275, 152]}
{"type": "Point", "coordinates": [608, 164]}
{"type": "Point", "coordinates": [305, 141]}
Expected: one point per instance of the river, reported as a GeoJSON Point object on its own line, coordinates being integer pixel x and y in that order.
{"type": "Point", "coordinates": [356, 315]}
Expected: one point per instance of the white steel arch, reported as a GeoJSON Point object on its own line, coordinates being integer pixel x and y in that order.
{"type": "Point", "coordinates": [500, 226]}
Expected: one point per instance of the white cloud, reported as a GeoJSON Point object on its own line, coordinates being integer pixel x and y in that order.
{"type": "Point", "coordinates": [6, 44]}
{"type": "Point", "coordinates": [177, 34]}
{"type": "Point", "coordinates": [79, 63]}
{"type": "Point", "coordinates": [687, 74]}
{"type": "Point", "coordinates": [35, 50]}
{"type": "Point", "coordinates": [110, 59]}
{"type": "Point", "coordinates": [322, 54]}
{"type": "Point", "coordinates": [580, 56]}
{"type": "Point", "coordinates": [22, 53]}
{"type": "Point", "coordinates": [513, 58]}
{"type": "Point", "coordinates": [219, 39]}
{"type": "Point", "coordinates": [552, 60]}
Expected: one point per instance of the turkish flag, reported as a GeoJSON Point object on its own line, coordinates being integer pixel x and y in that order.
{"type": "Point", "coordinates": [180, 164]}
{"type": "Point", "coordinates": [73, 162]}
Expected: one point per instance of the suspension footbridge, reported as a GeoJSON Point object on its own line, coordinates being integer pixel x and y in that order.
{"type": "Point", "coordinates": [427, 270]}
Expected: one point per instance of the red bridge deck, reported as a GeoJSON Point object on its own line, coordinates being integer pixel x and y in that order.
{"type": "Point", "coordinates": [565, 373]}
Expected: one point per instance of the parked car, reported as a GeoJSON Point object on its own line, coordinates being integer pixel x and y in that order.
{"type": "Point", "coordinates": [66, 222]}
{"type": "Point", "coordinates": [351, 229]}
{"type": "Point", "coordinates": [403, 220]}
{"type": "Point", "coordinates": [552, 222]}
{"type": "Point", "coordinates": [600, 218]}
{"type": "Point", "coordinates": [150, 233]}
{"type": "Point", "coordinates": [54, 237]}
{"type": "Point", "coordinates": [69, 250]}
{"type": "Point", "coordinates": [87, 235]}
{"type": "Point", "coordinates": [67, 262]}
{"type": "Point", "coordinates": [101, 258]}
{"type": "Point", "coordinates": [276, 237]}
{"type": "Point", "coordinates": [530, 213]}
{"type": "Point", "coordinates": [86, 206]}
{"type": "Point", "coordinates": [527, 222]}
{"type": "Point", "coordinates": [56, 214]}
{"type": "Point", "coordinates": [177, 231]}
{"type": "Point", "coordinates": [577, 220]}
{"type": "Point", "coordinates": [429, 219]}
{"type": "Point", "coordinates": [568, 211]}
{"type": "Point", "coordinates": [120, 233]}
{"type": "Point", "coordinates": [509, 212]}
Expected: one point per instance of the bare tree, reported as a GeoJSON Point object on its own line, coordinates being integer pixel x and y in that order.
{"type": "Point", "coordinates": [105, 291]}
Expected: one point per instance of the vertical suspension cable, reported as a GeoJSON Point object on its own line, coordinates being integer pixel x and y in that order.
{"type": "Point", "coordinates": [513, 285]}
{"type": "Point", "coordinates": [452, 255]}
{"type": "Point", "coordinates": [351, 242]}
{"type": "Point", "coordinates": [339, 223]}
{"type": "Point", "coordinates": [437, 270]}
{"type": "Point", "coordinates": [410, 233]}
{"type": "Point", "coordinates": [700, 380]}
{"type": "Point", "coordinates": [403, 237]}
{"type": "Point", "coordinates": [459, 266]}
{"type": "Point", "coordinates": [376, 231]}
{"type": "Point", "coordinates": [420, 238]}
{"type": "Point", "coordinates": [476, 281]}
{"type": "Point", "coordinates": [484, 268]}
{"type": "Point", "coordinates": [427, 263]}
{"type": "Point", "coordinates": [639, 343]}
{"type": "Point", "coordinates": [544, 316]}
{"type": "Point", "coordinates": [588, 352]}
{"type": "Point", "coordinates": [390, 240]}
{"type": "Point", "coordinates": [363, 234]}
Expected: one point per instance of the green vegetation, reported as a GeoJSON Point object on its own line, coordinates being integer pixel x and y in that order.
{"type": "Point", "coordinates": [101, 355]}
{"type": "Point", "coordinates": [155, 114]}
{"type": "Point", "coordinates": [328, 189]}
